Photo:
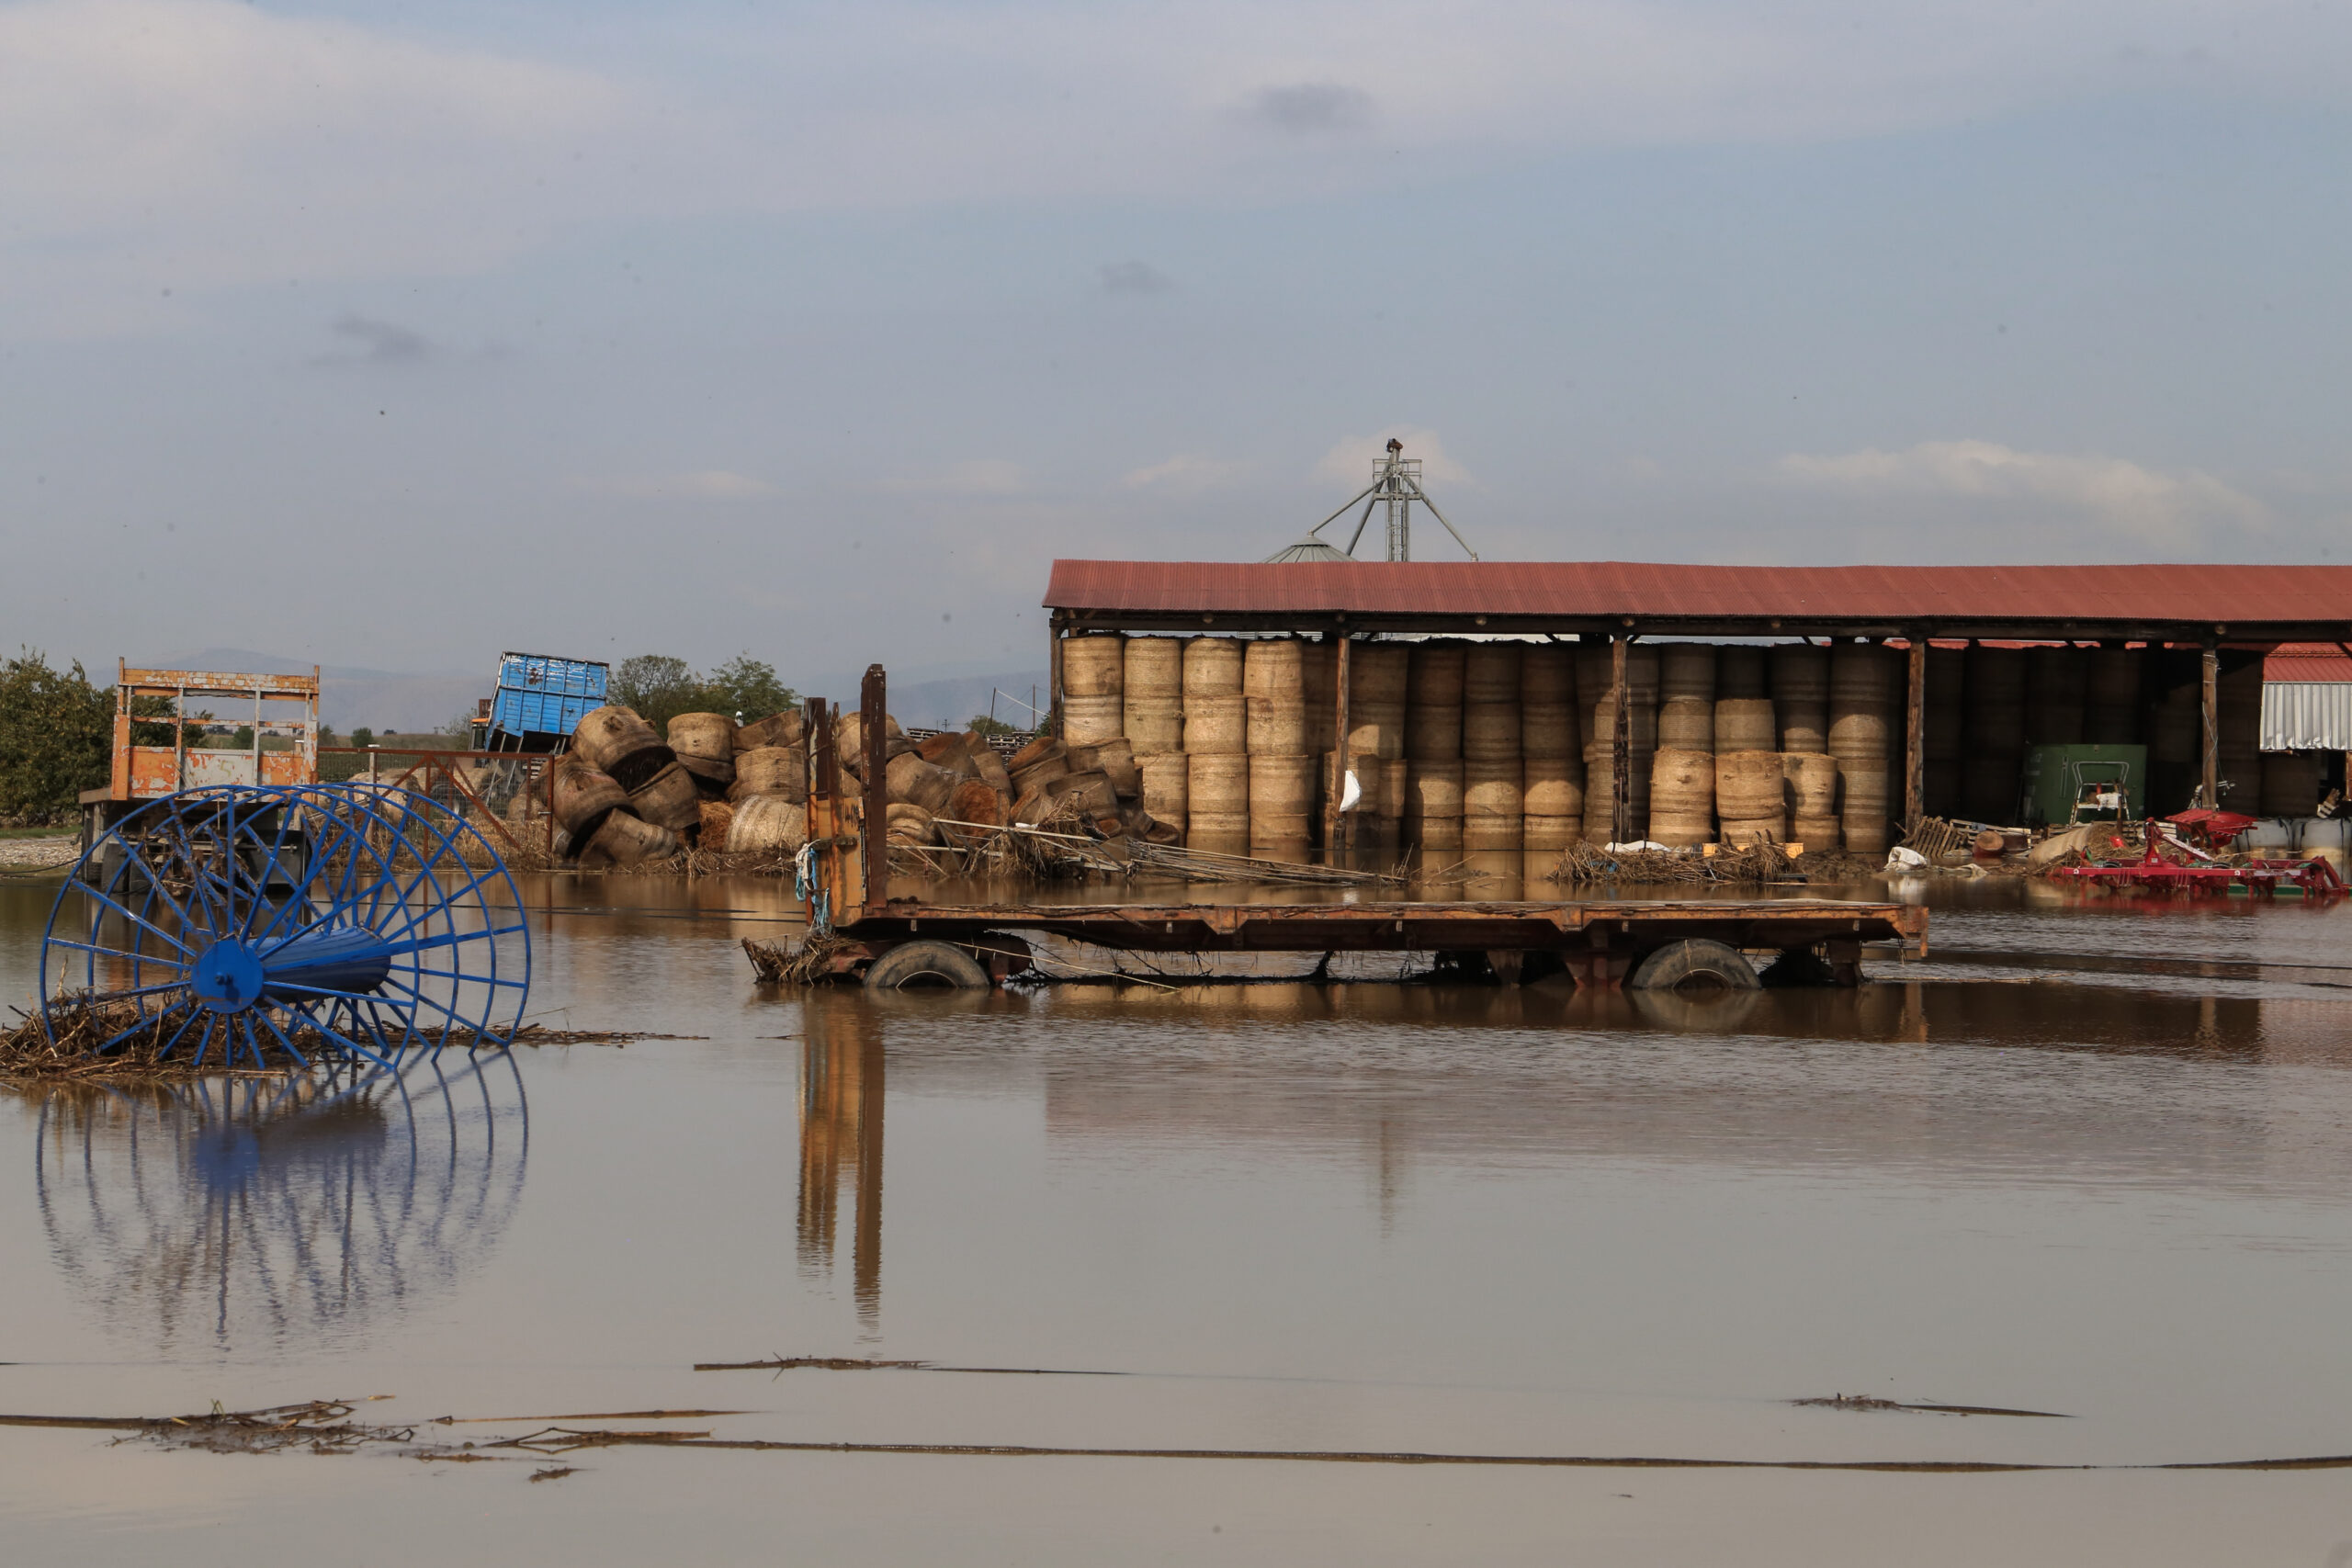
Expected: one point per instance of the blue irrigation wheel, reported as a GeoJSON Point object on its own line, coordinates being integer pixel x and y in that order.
{"type": "Point", "coordinates": [349, 919]}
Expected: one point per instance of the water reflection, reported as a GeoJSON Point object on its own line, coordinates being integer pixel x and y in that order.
{"type": "Point", "coordinates": [264, 1211]}
{"type": "Point", "coordinates": [841, 1132]}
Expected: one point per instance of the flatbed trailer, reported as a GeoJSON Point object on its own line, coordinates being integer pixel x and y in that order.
{"type": "Point", "coordinates": [1598, 941]}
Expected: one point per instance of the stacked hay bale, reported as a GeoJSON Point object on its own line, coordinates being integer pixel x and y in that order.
{"type": "Point", "coordinates": [1215, 744]}
{"type": "Point", "coordinates": [1799, 676]}
{"type": "Point", "coordinates": [769, 787]}
{"type": "Point", "coordinates": [1282, 771]}
{"type": "Point", "coordinates": [1551, 760]}
{"type": "Point", "coordinates": [619, 794]}
{"type": "Point", "coordinates": [1861, 683]}
{"type": "Point", "coordinates": [1433, 745]}
{"type": "Point", "coordinates": [1594, 673]}
{"type": "Point", "coordinates": [1682, 777]}
{"type": "Point", "coordinates": [2111, 705]}
{"type": "Point", "coordinates": [2238, 724]}
{"type": "Point", "coordinates": [1493, 807]}
{"type": "Point", "coordinates": [1944, 729]}
{"type": "Point", "coordinates": [1749, 796]}
{"type": "Point", "coordinates": [1378, 676]}
{"type": "Point", "coordinates": [2056, 681]}
{"type": "Point", "coordinates": [1810, 781]}
{"type": "Point", "coordinates": [1093, 688]}
{"type": "Point", "coordinates": [1992, 773]}
{"type": "Point", "coordinates": [1153, 687]}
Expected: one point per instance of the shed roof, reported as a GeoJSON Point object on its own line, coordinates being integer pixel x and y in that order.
{"type": "Point", "coordinates": [2308, 661]}
{"type": "Point", "coordinates": [2252, 602]}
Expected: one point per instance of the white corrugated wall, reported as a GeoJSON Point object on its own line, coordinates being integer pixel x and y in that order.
{"type": "Point", "coordinates": [2307, 715]}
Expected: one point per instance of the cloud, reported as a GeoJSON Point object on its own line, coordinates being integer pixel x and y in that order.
{"type": "Point", "coordinates": [2146, 505]}
{"type": "Point", "coordinates": [1185, 474]}
{"type": "Point", "coordinates": [1310, 106]}
{"type": "Point", "coordinates": [1133, 277]}
{"type": "Point", "coordinates": [982, 476]}
{"type": "Point", "coordinates": [1349, 461]}
{"type": "Point", "coordinates": [707, 484]}
{"type": "Point", "coordinates": [376, 343]}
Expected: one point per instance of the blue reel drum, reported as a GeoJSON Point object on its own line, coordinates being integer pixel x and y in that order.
{"type": "Point", "coordinates": [350, 920]}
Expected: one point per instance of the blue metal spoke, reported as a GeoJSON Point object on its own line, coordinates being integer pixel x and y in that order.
{"type": "Point", "coordinates": [349, 1044]}
{"type": "Point", "coordinates": [145, 1020]}
{"type": "Point", "coordinates": [206, 1043]}
{"type": "Point", "coordinates": [135, 919]}
{"type": "Point", "coordinates": [185, 1024]}
{"type": "Point", "coordinates": [283, 1039]}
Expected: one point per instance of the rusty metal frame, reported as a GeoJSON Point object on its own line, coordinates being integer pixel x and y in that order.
{"type": "Point", "coordinates": [123, 783]}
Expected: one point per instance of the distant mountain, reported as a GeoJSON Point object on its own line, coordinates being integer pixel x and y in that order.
{"type": "Point", "coordinates": [384, 700]}
{"type": "Point", "coordinates": [945, 704]}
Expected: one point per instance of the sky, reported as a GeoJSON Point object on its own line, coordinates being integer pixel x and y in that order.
{"type": "Point", "coordinates": [397, 335]}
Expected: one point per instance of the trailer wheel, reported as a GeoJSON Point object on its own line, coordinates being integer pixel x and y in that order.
{"type": "Point", "coordinates": [918, 964]}
{"type": "Point", "coordinates": [1693, 960]}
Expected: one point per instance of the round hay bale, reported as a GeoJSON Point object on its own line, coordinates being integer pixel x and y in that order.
{"type": "Point", "coordinates": [1433, 733]}
{"type": "Point", "coordinates": [668, 799]}
{"type": "Point", "coordinates": [914, 781]}
{"type": "Point", "coordinates": [789, 727]}
{"type": "Point", "coordinates": [909, 826]}
{"type": "Point", "coordinates": [710, 736]}
{"type": "Point", "coordinates": [1166, 786]}
{"type": "Point", "coordinates": [623, 840]}
{"type": "Point", "coordinates": [767, 824]}
{"type": "Point", "coordinates": [1115, 757]}
{"type": "Point", "coordinates": [1212, 669]}
{"type": "Point", "coordinates": [1490, 732]}
{"type": "Point", "coordinates": [1750, 786]}
{"type": "Point", "coordinates": [1745, 724]}
{"type": "Point", "coordinates": [1216, 726]}
{"type": "Point", "coordinates": [1686, 724]}
{"type": "Point", "coordinates": [1216, 794]}
{"type": "Point", "coordinates": [581, 795]}
{"type": "Point", "coordinates": [1739, 673]}
{"type": "Point", "coordinates": [1811, 780]}
{"type": "Point", "coordinates": [1547, 674]}
{"type": "Point", "coordinates": [1490, 672]}
{"type": "Point", "coordinates": [1686, 672]}
{"type": "Point", "coordinates": [780, 771]}
{"type": "Point", "coordinates": [1281, 800]}
{"type": "Point", "coordinates": [1095, 664]}
{"type": "Point", "coordinates": [1493, 808]}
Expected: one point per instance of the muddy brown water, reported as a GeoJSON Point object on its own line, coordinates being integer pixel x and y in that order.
{"type": "Point", "coordinates": [2089, 1156]}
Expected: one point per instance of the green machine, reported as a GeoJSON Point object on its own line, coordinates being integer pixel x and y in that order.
{"type": "Point", "coordinates": [2085, 783]}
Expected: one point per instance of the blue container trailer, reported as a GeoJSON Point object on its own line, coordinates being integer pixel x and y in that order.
{"type": "Point", "coordinates": [540, 699]}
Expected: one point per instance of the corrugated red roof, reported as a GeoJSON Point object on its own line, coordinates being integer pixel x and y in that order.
{"type": "Point", "coordinates": [2307, 661]}
{"type": "Point", "coordinates": [2240, 596]}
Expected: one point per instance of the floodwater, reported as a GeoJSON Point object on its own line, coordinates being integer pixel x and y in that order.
{"type": "Point", "coordinates": [2089, 1158]}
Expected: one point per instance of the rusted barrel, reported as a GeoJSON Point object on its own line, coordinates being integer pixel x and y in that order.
{"type": "Point", "coordinates": [789, 727]}
{"type": "Point", "coordinates": [1433, 803]}
{"type": "Point", "coordinates": [1216, 792]}
{"type": "Point", "coordinates": [624, 840]}
{"type": "Point", "coordinates": [1166, 787]}
{"type": "Point", "coordinates": [1377, 685]}
{"type": "Point", "coordinates": [1799, 676]}
{"type": "Point", "coordinates": [779, 770]}
{"type": "Point", "coordinates": [1093, 687]}
{"type": "Point", "coordinates": [1686, 670]}
{"type": "Point", "coordinates": [1493, 804]}
{"type": "Point", "coordinates": [1745, 724]}
{"type": "Point", "coordinates": [668, 799]}
{"type": "Point", "coordinates": [918, 783]}
{"type": "Point", "coordinates": [1682, 797]}
{"type": "Point", "coordinates": [1281, 800]}
{"type": "Point", "coordinates": [1153, 692]}
{"type": "Point", "coordinates": [581, 795]}
{"type": "Point", "coordinates": [1274, 688]}
{"type": "Point", "coordinates": [767, 824]}
{"type": "Point", "coordinates": [615, 740]}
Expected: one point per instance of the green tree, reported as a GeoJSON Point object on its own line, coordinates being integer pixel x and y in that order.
{"type": "Point", "coordinates": [747, 688]}
{"type": "Point", "coordinates": [242, 738]}
{"type": "Point", "coordinates": [56, 738]}
{"type": "Point", "coordinates": [362, 736]}
{"type": "Point", "coordinates": [983, 725]}
{"type": "Point", "coordinates": [658, 686]}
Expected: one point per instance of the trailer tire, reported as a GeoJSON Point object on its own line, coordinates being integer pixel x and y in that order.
{"type": "Point", "coordinates": [912, 964]}
{"type": "Point", "coordinates": [1693, 959]}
